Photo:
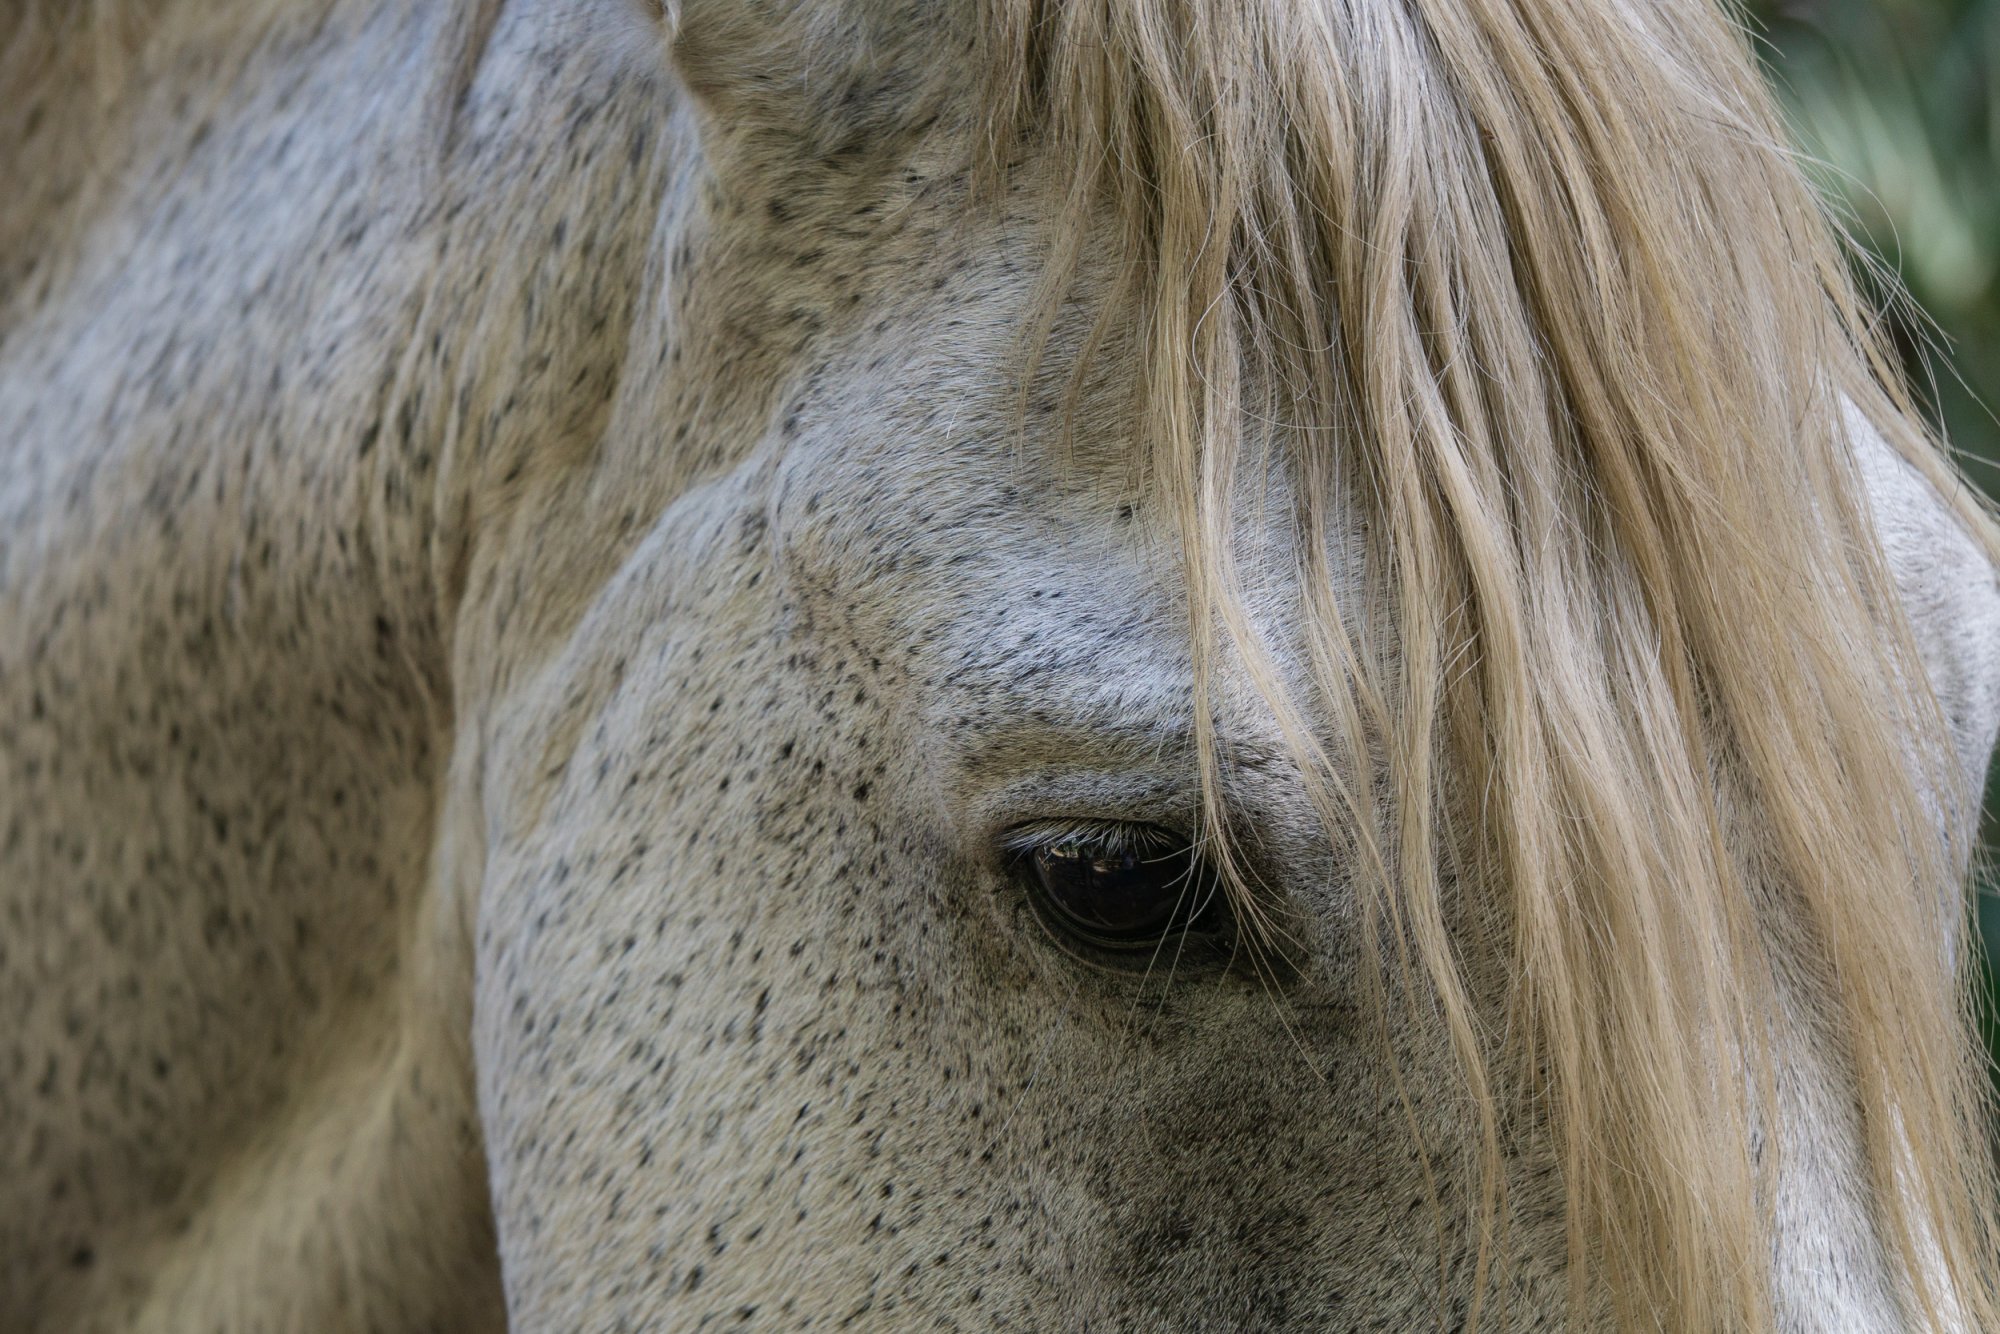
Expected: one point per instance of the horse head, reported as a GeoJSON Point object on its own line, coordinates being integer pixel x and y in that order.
{"type": "Point", "coordinates": [1122, 664]}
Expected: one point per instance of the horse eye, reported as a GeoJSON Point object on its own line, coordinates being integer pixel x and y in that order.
{"type": "Point", "coordinates": [1129, 891]}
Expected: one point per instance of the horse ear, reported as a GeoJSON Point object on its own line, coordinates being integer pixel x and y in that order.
{"type": "Point", "coordinates": [818, 65]}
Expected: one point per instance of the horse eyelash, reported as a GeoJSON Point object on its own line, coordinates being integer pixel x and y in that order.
{"type": "Point", "coordinates": [1108, 835]}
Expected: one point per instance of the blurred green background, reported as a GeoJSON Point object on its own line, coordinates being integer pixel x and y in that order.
{"type": "Point", "coordinates": [1896, 100]}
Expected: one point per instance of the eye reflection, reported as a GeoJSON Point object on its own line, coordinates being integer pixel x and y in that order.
{"type": "Point", "coordinates": [1120, 887]}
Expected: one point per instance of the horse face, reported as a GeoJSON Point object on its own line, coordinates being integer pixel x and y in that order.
{"type": "Point", "coordinates": [814, 670]}
{"type": "Point", "coordinates": [771, 1016]}
{"type": "Point", "coordinates": [778, 1017]}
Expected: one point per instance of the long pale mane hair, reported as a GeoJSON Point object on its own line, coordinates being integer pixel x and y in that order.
{"type": "Point", "coordinates": [1538, 290]}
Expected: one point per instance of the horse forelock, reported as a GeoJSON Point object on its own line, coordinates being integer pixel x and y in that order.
{"type": "Point", "coordinates": [1539, 290]}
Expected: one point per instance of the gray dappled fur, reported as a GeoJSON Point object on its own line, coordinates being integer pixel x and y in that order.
{"type": "Point", "coordinates": [522, 615]}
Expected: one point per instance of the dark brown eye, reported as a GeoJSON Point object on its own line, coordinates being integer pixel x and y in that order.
{"type": "Point", "coordinates": [1118, 888]}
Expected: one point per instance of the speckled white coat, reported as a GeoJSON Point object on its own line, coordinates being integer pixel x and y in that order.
{"type": "Point", "coordinates": [522, 615]}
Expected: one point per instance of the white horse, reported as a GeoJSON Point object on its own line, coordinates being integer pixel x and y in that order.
{"type": "Point", "coordinates": [908, 664]}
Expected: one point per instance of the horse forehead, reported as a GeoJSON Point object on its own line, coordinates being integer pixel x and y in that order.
{"type": "Point", "coordinates": [919, 487]}
{"type": "Point", "coordinates": [938, 485]}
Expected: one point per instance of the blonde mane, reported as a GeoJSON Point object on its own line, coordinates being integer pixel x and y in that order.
{"type": "Point", "coordinates": [1540, 290]}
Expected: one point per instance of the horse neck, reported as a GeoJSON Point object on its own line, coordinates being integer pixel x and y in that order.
{"type": "Point", "coordinates": [320, 314]}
